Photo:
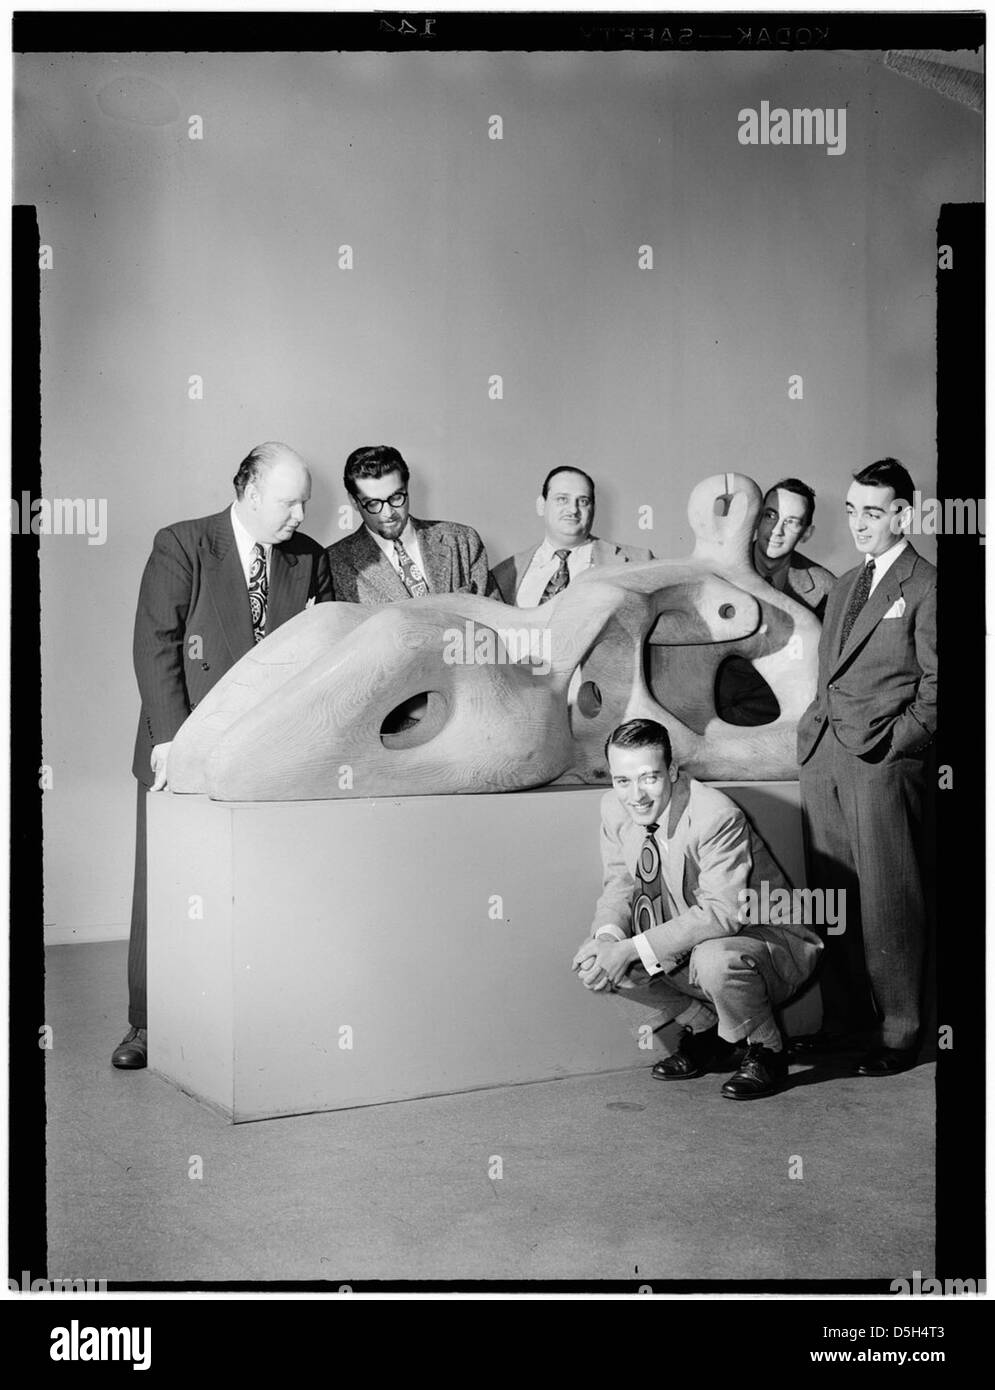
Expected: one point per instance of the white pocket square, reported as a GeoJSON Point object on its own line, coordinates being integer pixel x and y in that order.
{"type": "Point", "coordinates": [897, 609]}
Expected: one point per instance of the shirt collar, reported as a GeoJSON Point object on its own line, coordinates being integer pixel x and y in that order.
{"type": "Point", "coordinates": [245, 542]}
{"type": "Point", "coordinates": [547, 551]}
{"type": "Point", "coordinates": [883, 563]}
{"type": "Point", "coordinates": [406, 538]}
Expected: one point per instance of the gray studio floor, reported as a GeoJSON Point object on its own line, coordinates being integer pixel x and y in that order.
{"type": "Point", "coordinates": [605, 1177]}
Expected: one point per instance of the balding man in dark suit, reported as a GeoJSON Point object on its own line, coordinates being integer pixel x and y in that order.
{"type": "Point", "coordinates": [212, 588]}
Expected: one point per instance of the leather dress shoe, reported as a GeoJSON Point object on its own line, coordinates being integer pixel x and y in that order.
{"type": "Point", "coordinates": [696, 1054]}
{"type": "Point", "coordinates": [886, 1061]}
{"type": "Point", "coordinates": [821, 1045]}
{"type": "Point", "coordinates": [761, 1073]}
{"type": "Point", "coordinates": [132, 1051]}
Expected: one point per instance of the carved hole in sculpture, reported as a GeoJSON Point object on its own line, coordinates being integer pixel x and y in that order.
{"type": "Point", "coordinates": [589, 700]}
{"type": "Point", "coordinates": [414, 721]}
{"type": "Point", "coordinates": [742, 696]}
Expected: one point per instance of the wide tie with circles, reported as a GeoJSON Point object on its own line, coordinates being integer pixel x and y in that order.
{"type": "Point", "coordinates": [560, 579]}
{"type": "Point", "coordinates": [258, 591]}
{"type": "Point", "coordinates": [648, 904]}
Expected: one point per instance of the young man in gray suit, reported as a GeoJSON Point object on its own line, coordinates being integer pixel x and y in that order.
{"type": "Point", "coordinates": [212, 588]}
{"type": "Point", "coordinates": [536, 575]}
{"type": "Point", "coordinates": [681, 924]}
{"type": "Point", "coordinates": [862, 748]}
{"type": "Point", "coordinates": [393, 555]}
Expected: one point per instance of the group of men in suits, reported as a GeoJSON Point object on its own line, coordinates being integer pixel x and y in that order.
{"type": "Point", "coordinates": [215, 586]}
{"type": "Point", "coordinates": [668, 930]}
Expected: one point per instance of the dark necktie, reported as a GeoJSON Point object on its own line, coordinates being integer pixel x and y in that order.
{"type": "Point", "coordinates": [560, 579]}
{"type": "Point", "coordinates": [414, 580]}
{"type": "Point", "coordinates": [648, 904]}
{"type": "Point", "coordinates": [861, 592]}
{"type": "Point", "coordinates": [258, 591]}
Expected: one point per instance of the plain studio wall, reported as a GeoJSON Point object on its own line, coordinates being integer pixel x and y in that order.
{"type": "Point", "coordinates": [219, 257]}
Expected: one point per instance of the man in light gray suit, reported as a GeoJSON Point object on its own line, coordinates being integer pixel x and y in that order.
{"type": "Point", "coordinates": [393, 555]}
{"type": "Point", "coordinates": [538, 574]}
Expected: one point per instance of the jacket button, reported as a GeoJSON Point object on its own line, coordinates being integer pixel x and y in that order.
{"type": "Point", "coordinates": [205, 666]}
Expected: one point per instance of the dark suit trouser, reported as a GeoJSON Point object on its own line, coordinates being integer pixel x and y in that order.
{"type": "Point", "coordinates": [863, 825]}
{"type": "Point", "coordinates": [137, 1015]}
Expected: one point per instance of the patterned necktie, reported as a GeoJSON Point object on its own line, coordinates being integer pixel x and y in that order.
{"type": "Point", "coordinates": [414, 580]}
{"type": "Point", "coordinates": [861, 592]}
{"type": "Point", "coordinates": [258, 591]}
{"type": "Point", "coordinates": [560, 579]}
{"type": "Point", "coordinates": [648, 905]}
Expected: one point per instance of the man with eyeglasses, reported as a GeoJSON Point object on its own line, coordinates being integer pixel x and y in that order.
{"type": "Point", "coordinates": [742, 696]}
{"type": "Point", "coordinates": [785, 522]}
{"type": "Point", "coordinates": [393, 555]}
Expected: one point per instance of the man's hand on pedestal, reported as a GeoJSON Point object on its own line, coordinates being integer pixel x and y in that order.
{"type": "Point", "coordinates": [159, 759]}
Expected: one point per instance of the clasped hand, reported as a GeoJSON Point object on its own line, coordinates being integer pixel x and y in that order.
{"type": "Point", "coordinates": [603, 963]}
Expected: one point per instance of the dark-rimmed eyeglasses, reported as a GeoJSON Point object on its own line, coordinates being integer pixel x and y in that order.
{"type": "Point", "coordinates": [376, 504]}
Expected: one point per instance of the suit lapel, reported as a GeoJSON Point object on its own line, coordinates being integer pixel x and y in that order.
{"type": "Point", "coordinates": [603, 552]}
{"type": "Point", "coordinates": [520, 567]}
{"type": "Point", "coordinates": [288, 586]}
{"type": "Point", "coordinates": [799, 578]}
{"type": "Point", "coordinates": [886, 593]}
{"type": "Point", "coordinates": [375, 570]}
{"type": "Point", "coordinates": [437, 556]}
{"type": "Point", "coordinates": [225, 580]}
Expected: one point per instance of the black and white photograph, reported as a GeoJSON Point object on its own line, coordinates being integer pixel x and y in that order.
{"type": "Point", "coordinates": [495, 500]}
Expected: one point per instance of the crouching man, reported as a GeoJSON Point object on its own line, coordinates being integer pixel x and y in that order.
{"type": "Point", "coordinates": [675, 926]}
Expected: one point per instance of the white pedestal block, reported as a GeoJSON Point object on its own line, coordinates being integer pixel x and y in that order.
{"type": "Point", "coordinates": [433, 933]}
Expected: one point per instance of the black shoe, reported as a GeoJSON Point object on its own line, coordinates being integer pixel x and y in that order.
{"type": "Point", "coordinates": [822, 1044]}
{"type": "Point", "coordinates": [132, 1051]}
{"type": "Point", "coordinates": [761, 1073]}
{"type": "Point", "coordinates": [886, 1061]}
{"type": "Point", "coordinates": [696, 1054]}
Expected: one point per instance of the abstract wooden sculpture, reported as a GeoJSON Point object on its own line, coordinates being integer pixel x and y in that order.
{"type": "Point", "coordinates": [454, 693]}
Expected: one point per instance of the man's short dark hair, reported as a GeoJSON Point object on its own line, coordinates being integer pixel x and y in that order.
{"type": "Point", "coordinates": [373, 461]}
{"type": "Point", "coordinates": [641, 733]}
{"type": "Point", "coordinates": [258, 461]}
{"type": "Point", "coordinates": [567, 468]}
{"type": "Point", "coordinates": [888, 473]}
{"type": "Point", "coordinates": [800, 489]}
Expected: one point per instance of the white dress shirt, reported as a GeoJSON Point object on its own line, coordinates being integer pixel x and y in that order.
{"type": "Point", "coordinates": [246, 546]}
{"type": "Point", "coordinates": [883, 563]}
{"type": "Point", "coordinates": [409, 539]}
{"type": "Point", "coordinates": [544, 565]}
